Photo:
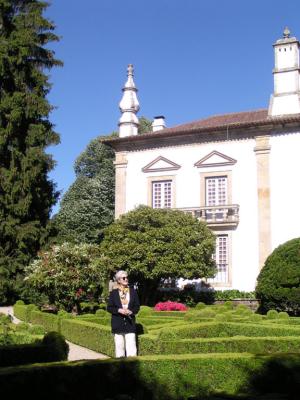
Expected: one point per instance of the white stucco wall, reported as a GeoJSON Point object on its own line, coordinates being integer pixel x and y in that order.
{"type": "Point", "coordinates": [244, 193]}
{"type": "Point", "coordinates": [285, 188]}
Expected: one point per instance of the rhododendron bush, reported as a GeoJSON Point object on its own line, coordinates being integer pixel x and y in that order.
{"type": "Point", "coordinates": [67, 274]}
{"type": "Point", "coordinates": [170, 306]}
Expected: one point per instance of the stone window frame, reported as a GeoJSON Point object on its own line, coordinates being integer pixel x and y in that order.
{"type": "Point", "coordinates": [211, 174]}
{"type": "Point", "coordinates": [161, 178]}
{"type": "Point", "coordinates": [227, 284]}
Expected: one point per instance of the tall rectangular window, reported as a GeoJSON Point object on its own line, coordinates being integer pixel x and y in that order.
{"type": "Point", "coordinates": [162, 194]}
{"type": "Point", "coordinates": [221, 258]}
{"type": "Point", "coordinates": [216, 191]}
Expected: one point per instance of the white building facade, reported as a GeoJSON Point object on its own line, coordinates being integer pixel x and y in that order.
{"type": "Point", "coordinates": [237, 172]}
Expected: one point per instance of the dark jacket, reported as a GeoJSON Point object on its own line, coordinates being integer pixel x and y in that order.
{"type": "Point", "coordinates": [121, 323]}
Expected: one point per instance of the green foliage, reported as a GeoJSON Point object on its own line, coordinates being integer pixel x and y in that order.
{"type": "Point", "coordinates": [88, 205]}
{"type": "Point", "coordinates": [233, 294]}
{"type": "Point", "coordinates": [26, 193]}
{"type": "Point", "coordinates": [51, 348]}
{"type": "Point", "coordinates": [278, 284]}
{"type": "Point", "coordinates": [23, 311]}
{"type": "Point", "coordinates": [100, 312]}
{"type": "Point", "coordinates": [68, 274]}
{"type": "Point", "coordinates": [49, 321]}
{"type": "Point", "coordinates": [155, 244]}
{"type": "Point", "coordinates": [93, 336]}
{"type": "Point", "coordinates": [218, 376]}
{"type": "Point", "coordinates": [237, 344]}
{"type": "Point", "coordinates": [88, 307]}
{"type": "Point", "coordinates": [283, 315]}
{"type": "Point", "coordinates": [272, 314]}
{"type": "Point", "coordinates": [57, 347]}
{"type": "Point", "coordinates": [146, 310]}
{"type": "Point", "coordinates": [145, 125]}
{"type": "Point", "coordinates": [200, 306]}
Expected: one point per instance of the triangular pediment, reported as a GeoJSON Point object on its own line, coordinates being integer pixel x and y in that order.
{"type": "Point", "coordinates": [215, 159]}
{"type": "Point", "coordinates": [160, 164]}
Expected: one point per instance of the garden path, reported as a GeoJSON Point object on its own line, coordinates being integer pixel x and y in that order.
{"type": "Point", "coordinates": [75, 352]}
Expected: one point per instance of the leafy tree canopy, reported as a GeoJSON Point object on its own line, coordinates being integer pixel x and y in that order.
{"type": "Point", "coordinates": [155, 244]}
{"type": "Point", "coordinates": [26, 193]}
{"type": "Point", "coordinates": [88, 205]}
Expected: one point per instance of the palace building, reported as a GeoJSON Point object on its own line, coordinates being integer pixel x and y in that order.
{"type": "Point", "coordinates": [237, 172]}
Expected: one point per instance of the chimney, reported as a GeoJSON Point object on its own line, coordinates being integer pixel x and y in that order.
{"type": "Point", "coordinates": [158, 123]}
{"type": "Point", "coordinates": [286, 96]}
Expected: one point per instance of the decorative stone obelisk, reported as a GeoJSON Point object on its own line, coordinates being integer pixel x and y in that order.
{"type": "Point", "coordinates": [129, 106]}
{"type": "Point", "coordinates": [286, 97]}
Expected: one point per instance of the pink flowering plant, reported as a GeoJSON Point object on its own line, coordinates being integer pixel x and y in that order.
{"type": "Point", "coordinates": [170, 306]}
{"type": "Point", "coordinates": [68, 274]}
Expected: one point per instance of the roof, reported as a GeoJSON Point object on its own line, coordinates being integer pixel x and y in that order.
{"type": "Point", "coordinates": [225, 122]}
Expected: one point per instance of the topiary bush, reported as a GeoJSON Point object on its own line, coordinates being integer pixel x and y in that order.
{"type": "Point", "coordinates": [278, 284]}
{"type": "Point", "coordinates": [200, 306]}
{"type": "Point", "coordinates": [58, 347]}
{"type": "Point", "coordinates": [272, 314]}
{"type": "Point", "coordinates": [283, 315]}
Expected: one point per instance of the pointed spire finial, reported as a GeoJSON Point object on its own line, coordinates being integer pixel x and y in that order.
{"type": "Point", "coordinates": [130, 70]}
{"type": "Point", "coordinates": [129, 106]}
{"type": "Point", "coordinates": [286, 33]}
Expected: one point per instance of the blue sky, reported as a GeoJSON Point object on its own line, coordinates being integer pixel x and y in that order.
{"type": "Point", "coordinates": [192, 59]}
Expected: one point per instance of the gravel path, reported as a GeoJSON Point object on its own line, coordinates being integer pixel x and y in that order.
{"type": "Point", "coordinates": [75, 352]}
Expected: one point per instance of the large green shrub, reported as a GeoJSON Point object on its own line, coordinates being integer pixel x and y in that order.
{"type": "Point", "coordinates": [157, 244]}
{"type": "Point", "coordinates": [278, 284]}
{"type": "Point", "coordinates": [68, 274]}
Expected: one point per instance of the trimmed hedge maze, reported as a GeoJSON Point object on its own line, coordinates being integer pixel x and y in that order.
{"type": "Point", "coordinates": [213, 329]}
{"type": "Point", "coordinates": [206, 350]}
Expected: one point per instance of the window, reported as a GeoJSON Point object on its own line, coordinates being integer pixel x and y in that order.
{"type": "Point", "coordinates": [222, 260]}
{"type": "Point", "coordinates": [162, 194]}
{"type": "Point", "coordinates": [216, 191]}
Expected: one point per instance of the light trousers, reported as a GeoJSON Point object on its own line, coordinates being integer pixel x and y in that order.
{"type": "Point", "coordinates": [125, 345]}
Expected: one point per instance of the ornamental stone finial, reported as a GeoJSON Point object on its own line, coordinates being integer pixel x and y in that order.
{"type": "Point", "coordinates": [130, 70]}
{"type": "Point", "coordinates": [129, 106]}
{"type": "Point", "coordinates": [286, 33]}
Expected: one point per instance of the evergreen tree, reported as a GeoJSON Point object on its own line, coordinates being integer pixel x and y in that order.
{"type": "Point", "coordinates": [26, 193]}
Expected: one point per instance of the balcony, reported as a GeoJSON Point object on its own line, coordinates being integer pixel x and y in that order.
{"type": "Point", "coordinates": [216, 216]}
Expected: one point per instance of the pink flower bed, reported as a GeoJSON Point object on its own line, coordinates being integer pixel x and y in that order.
{"type": "Point", "coordinates": [170, 306]}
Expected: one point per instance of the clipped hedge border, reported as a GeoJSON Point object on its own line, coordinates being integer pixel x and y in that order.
{"type": "Point", "coordinates": [51, 348]}
{"type": "Point", "coordinates": [220, 329]}
{"type": "Point", "coordinates": [155, 377]}
{"type": "Point", "coordinates": [149, 344]}
{"type": "Point", "coordinates": [50, 322]}
{"type": "Point", "coordinates": [87, 334]}
{"type": "Point", "coordinates": [23, 312]}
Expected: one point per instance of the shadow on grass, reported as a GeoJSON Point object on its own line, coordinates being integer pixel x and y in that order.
{"type": "Point", "coordinates": [131, 379]}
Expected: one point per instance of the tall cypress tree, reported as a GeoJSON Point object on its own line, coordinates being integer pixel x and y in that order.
{"type": "Point", "coordinates": [26, 193]}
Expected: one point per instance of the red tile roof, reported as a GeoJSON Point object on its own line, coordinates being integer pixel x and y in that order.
{"type": "Point", "coordinates": [244, 120]}
{"type": "Point", "coordinates": [246, 117]}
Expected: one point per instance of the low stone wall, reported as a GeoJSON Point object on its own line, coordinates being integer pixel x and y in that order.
{"type": "Point", "coordinates": [253, 304]}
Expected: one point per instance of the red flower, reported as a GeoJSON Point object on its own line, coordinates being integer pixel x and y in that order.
{"type": "Point", "coordinates": [170, 306]}
{"type": "Point", "coordinates": [79, 292]}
